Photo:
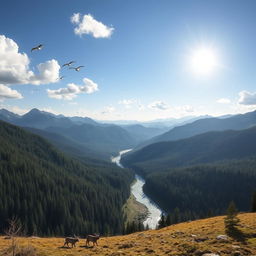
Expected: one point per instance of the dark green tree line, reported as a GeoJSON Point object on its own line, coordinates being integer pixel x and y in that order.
{"type": "Point", "coordinates": [52, 194]}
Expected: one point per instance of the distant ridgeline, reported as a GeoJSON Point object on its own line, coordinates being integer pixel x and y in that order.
{"type": "Point", "coordinates": [52, 194]}
{"type": "Point", "coordinates": [81, 137]}
{"type": "Point", "coordinates": [198, 176]}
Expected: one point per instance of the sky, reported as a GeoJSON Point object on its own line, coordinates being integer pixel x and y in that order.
{"type": "Point", "coordinates": [141, 60]}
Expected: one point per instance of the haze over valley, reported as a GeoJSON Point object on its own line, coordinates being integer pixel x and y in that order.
{"type": "Point", "coordinates": [119, 117]}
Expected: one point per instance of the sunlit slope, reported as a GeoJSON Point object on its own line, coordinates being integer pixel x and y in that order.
{"type": "Point", "coordinates": [190, 238]}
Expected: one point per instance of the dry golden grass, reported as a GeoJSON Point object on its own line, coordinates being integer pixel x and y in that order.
{"type": "Point", "coordinates": [174, 240]}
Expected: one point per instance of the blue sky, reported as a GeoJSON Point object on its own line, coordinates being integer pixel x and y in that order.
{"type": "Point", "coordinates": [138, 66]}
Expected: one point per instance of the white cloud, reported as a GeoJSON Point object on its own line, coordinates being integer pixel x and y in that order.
{"type": "Point", "coordinates": [48, 73]}
{"type": "Point", "coordinates": [73, 103]}
{"type": "Point", "coordinates": [8, 93]}
{"type": "Point", "coordinates": [160, 105]}
{"type": "Point", "coordinates": [88, 25]}
{"type": "Point", "coordinates": [187, 109]}
{"type": "Point", "coordinates": [72, 90]}
{"type": "Point", "coordinates": [75, 18]}
{"type": "Point", "coordinates": [108, 110]}
{"type": "Point", "coordinates": [14, 66]}
{"type": "Point", "coordinates": [247, 98]}
{"type": "Point", "coordinates": [141, 106]}
{"type": "Point", "coordinates": [89, 87]}
{"type": "Point", "coordinates": [127, 103]}
{"type": "Point", "coordinates": [223, 101]}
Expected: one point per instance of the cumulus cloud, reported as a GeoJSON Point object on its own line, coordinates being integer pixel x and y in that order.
{"type": "Point", "coordinates": [72, 90]}
{"type": "Point", "coordinates": [48, 73]}
{"type": "Point", "coordinates": [108, 109]}
{"type": "Point", "coordinates": [75, 18]}
{"type": "Point", "coordinates": [160, 105]}
{"type": "Point", "coordinates": [247, 98]}
{"type": "Point", "coordinates": [88, 25]}
{"type": "Point", "coordinates": [141, 106]}
{"type": "Point", "coordinates": [17, 110]}
{"type": "Point", "coordinates": [14, 66]}
{"type": "Point", "coordinates": [8, 93]}
{"type": "Point", "coordinates": [223, 101]}
{"type": "Point", "coordinates": [187, 108]}
{"type": "Point", "coordinates": [127, 102]}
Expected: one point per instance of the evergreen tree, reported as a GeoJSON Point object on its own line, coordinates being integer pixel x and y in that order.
{"type": "Point", "coordinates": [168, 220]}
{"type": "Point", "coordinates": [162, 221]}
{"type": "Point", "coordinates": [253, 208]}
{"type": "Point", "coordinates": [231, 220]}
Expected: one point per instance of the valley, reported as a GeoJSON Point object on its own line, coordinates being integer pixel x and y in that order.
{"type": "Point", "coordinates": [185, 179]}
{"type": "Point", "coordinates": [127, 128]}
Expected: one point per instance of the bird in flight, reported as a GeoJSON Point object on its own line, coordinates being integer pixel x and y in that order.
{"type": "Point", "coordinates": [39, 47]}
{"type": "Point", "coordinates": [60, 78]}
{"type": "Point", "coordinates": [76, 68]}
{"type": "Point", "coordinates": [68, 64]}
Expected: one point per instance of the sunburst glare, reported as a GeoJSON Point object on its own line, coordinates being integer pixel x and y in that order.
{"type": "Point", "coordinates": [203, 60]}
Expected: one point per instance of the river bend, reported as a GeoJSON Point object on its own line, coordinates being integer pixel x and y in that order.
{"type": "Point", "coordinates": [137, 190]}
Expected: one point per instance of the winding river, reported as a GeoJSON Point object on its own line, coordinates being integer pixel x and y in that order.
{"type": "Point", "coordinates": [136, 189]}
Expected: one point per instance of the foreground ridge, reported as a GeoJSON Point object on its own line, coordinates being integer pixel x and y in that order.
{"type": "Point", "coordinates": [201, 237]}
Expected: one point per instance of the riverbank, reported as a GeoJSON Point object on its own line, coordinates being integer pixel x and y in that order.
{"type": "Point", "coordinates": [153, 211]}
{"type": "Point", "coordinates": [134, 211]}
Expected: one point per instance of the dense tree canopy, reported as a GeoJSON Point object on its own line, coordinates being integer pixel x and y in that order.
{"type": "Point", "coordinates": [204, 190]}
{"type": "Point", "coordinates": [51, 193]}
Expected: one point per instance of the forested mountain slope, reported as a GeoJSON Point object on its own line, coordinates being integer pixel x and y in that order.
{"type": "Point", "coordinates": [214, 169]}
{"type": "Point", "coordinates": [53, 194]}
{"type": "Point", "coordinates": [103, 139]}
{"type": "Point", "coordinates": [142, 133]}
{"type": "Point", "coordinates": [203, 148]}
{"type": "Point", "coordinates": [203, 190]}
{"type": "Point", "coordinates": [70, 146]}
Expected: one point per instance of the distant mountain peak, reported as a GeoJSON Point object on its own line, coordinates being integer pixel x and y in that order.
{"type": "Point", "coordinates": [32, 112]}
{"type": "Point", "coordinates": [35, 111]}
{"type": "Point", "coordinates": [8, 115]}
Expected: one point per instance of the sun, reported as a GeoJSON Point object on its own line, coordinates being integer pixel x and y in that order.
{"type": "Point", "coordinates": [203, 61]}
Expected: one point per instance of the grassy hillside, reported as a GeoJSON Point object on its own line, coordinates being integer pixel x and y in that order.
{"type": "Point", "coordinates": [51, 193]}
{"type": "Point", "coordinates": [190, 238]}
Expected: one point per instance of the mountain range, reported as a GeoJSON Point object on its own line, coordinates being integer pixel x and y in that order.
{"type": "Point", "coordinates": [81, 136]}
{"type": "Point", "coordinates": [203, 148]}
{"type": "Point", "coordinates": [235, 122]}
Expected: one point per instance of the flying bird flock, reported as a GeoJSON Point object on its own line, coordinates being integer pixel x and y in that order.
{"type": "Point", "coordinates": [68, 64]}
{"type": "Point", "coordinates": [76, 68]}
